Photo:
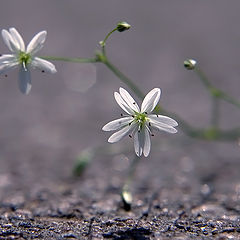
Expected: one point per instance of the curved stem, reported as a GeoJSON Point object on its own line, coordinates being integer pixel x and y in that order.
{"type": "Point", "coordinates": [185, 126]}
{"type": "Point", "coordinates": [124, 79]}
{"type": "Point", "coordinates": [213, 91]}
{"type": "Point", "coordinates": [203, 78]}
{"type": "Point", "coordinates": [103, 43]}
{"type": "Point", "coordinates": [229, 99]}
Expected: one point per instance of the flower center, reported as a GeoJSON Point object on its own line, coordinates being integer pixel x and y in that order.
{"type": "Point", "coordinates": [140, 118]}
{"type": "Point", "coordinates": [24, 58]}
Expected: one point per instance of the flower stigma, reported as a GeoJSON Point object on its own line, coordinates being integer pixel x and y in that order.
{"type": "Point", "coordinates": [24, 58]}
{"type": "Point", "coordinates": [140, 119]}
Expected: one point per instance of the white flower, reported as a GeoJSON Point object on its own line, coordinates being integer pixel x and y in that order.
{"type": "Point", "coordinates": [24, 57]}
{"type": "Point", "coordinates": [140, 122]}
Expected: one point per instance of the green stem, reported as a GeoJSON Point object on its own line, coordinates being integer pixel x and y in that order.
{"type": "Point", "coordinates": [132, 170]}
{"type": "Point", "coordinates": [103, 43]}
{"type": "Point", "coordinates": [126, 192]}
{"type": "Point", "coordinates": [203, 78]}
{"type": "Point", "coordinates": [207, 134]}
{"type": "Point", "coordinates": [213, 91]}
{"type": "Point", "coordinates": [74, 60]}
{"type": "Point", "coordinates": [215, 112]}
{"type": "Point", "coordinates": [229, 99]}
{"type": "Point", "coordinates": [124, 78]}
{"type": "Point", "coordinates": [184, 125]}
{"type": "Point", "coordinates": [216, 134]}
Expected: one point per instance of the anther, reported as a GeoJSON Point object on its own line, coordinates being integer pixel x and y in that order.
{"type": "Point", "coordinates": [149, 124]}
{"type": "Point", "coordinates": [133, 116]}
{"type": "Point", "coordinates": [146, 113]}
{"type": "Point", "coordinates": [134, 103]}
{"type": "Point", "coordinates": [0, 55]}
{"type": "Point", "coordinates": [152, 135]}
{"type": "Point", "coordinates": [121, 114]}
{"type": "Point", "coordinates": [6, 75]}
{"type": "Point", "coordinates": [43, 71]}
{"type": "Point", "coordinates": [129, 123]}
{"type": "Point", "coordinates": [130, 136]}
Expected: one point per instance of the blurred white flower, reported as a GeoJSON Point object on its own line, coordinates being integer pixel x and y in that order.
{"type": "Point", "coordinates": [140, 122]}
{"type": "Point", "coordinates": [24, 57]}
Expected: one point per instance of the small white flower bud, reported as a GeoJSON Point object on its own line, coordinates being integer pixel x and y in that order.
{"type": "Point", "coordinates": [190, 64]}
{"type": "Point", "coordinates": [101, 43]}
{"type": "Point", "coordinates": [123, 26]}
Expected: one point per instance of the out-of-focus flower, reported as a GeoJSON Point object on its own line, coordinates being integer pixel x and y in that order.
{"type": "Point", "coordinates": [23, 57]}
{"type": "Point", "coordinates": [140, 122]}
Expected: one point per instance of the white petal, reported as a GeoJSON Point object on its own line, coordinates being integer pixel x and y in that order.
{"type": "Point", "coordinates": [24, 80]}
{"type": "Point", "coordinates": [7, 63]}
{"type": "Point", "coordinates": [139, 142]}
{"type": "Point", "coordinates": [7, 58]}
{"type": "Point", "coordinates": [151, 100]}
{"type": "Point", "coordinates": [129, 100]}
{"type": "Point", "coordinates": [147, 143]}
{"type": "Point", "coordinates": [43, 65]}
{"type": "Point", "coordinates": [7, 67]}
{"type": "Point", "coordinates": [10, 42]}
{"type": "Point", "coordinates": [36, 43]}
{"type": "Point", "coordinates": [121, 133]}
{"type": "Point", "coordinates": [163, 119]}
{"type": "Point", "coordinates": [17, 37]}
{"type": "Point", "coordinates": [123, 104]}
{"type": "Point", "coordinates": [163, 127]}
{"type": "Point", "coordinates": [116, 124]}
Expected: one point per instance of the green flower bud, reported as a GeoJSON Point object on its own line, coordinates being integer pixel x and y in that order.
{"type": "Point", "coordinates": [123, 26]}
{"type": "Point", "coordinates": [102, 43]}
{"type": "Point", "coordinates": [190, 64]}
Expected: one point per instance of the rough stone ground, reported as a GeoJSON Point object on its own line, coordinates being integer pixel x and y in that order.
{"type": "Point", "coordinates": [174, 198]}
{"type": "Point", "coordinates": [186, 189]}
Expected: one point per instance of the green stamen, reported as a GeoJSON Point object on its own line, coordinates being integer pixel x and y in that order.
{"type": "Point", "coordinates": [140, 118]}
{"type": "Point", "coordinates": [24, 58]}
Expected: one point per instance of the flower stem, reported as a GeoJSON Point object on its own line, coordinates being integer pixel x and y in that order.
{"type": "Point", "coordinates": [212, 133]}
{"type": "Point", "coordinates": [103, 43]}
{"type": "Point", "coordinates": [126, 193]}
{"type": "Point", "coordinates": [74, 60]}
{"type": "Point", "coordinates": [124, 79]}
{"type": "Point", "coordinates": [215, 112]}
{"type": "Point", "coordinates": [213, 91]}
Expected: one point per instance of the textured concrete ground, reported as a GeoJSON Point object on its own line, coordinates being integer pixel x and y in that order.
{"type": "Point", "coordinates": [186, 189]}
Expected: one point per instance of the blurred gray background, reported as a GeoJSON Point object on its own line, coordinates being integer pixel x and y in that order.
{"type": "Point", "coordinates": [41, 134]}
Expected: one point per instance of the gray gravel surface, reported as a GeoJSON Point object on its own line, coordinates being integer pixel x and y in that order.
{"type": "Point", "coordinates": [186, 189]}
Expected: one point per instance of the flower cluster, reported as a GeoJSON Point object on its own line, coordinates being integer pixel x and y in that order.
{"type": "Point", "coordinates": [24, 57]}
{"type": "Point", "coordinates": [140, 122]}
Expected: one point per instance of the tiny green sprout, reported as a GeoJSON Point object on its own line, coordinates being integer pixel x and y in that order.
{"type": "Point", "coordinates": [211, 133]}
{"type": "Point", "coordinates": [123, 26]}
{"type": "Point", "coordinates": [126, 198]}
{"type": "Point", "coordinates": [190, 64]}
{"type": "Point", "coordinates": [83, 161]}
